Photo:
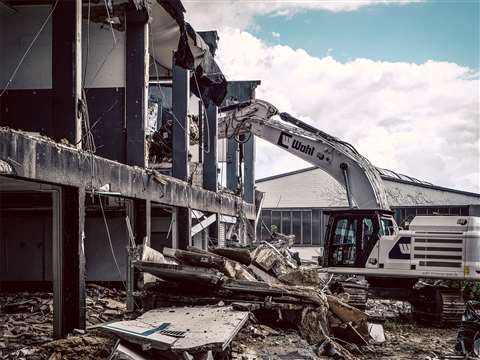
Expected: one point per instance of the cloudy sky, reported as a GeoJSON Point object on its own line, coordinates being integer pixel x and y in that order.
{"type": "Point", "coordinates": [397, 79]}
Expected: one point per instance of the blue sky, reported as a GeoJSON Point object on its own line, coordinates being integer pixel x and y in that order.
{"type": "Point", "coordinates": [417, 32]}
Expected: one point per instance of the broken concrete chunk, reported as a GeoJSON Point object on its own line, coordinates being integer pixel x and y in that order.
{"type": "Point", "coordinates": [203, 327]}
{"type": "Point", "coordinates": [376, 332]}
{"type": "Point", "coordinates": [264, 276]}
{"type": "Point", "coordinates": [306, 277]}
{"type": "Point", "coordinates": [270, 259]}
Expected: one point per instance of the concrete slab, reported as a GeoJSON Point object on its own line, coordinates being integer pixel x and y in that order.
{"type": "Point", "coordinates": [206, 327]}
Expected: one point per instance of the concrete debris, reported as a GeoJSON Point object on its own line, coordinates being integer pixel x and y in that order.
{"type": "Point", "coordinates": [269, 258]}
{"type": "Point", "coordinates": [220, 304]}
{"type": "Point", "coordinates": [198, 329]}
{"type": "Point", "coordinates": [279, 295]}
{"type": "Point", "coordinates": [240, 255]}
{"type": "Point", "coordinates": [376, 332]}
{"type": "Point", "coordinates": [379, 310]}
{"type": "Point", "coordinates": [26, 325]}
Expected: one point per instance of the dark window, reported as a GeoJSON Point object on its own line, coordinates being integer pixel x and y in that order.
{"type": "Point", "coordinates": [422, 211]}
{"type": "Point", "coordinates": [344, 246]}
{"type": "Point", "coordinates": [307, 227]}
{"type": "Point", "coordinates": [455, 211]}
{"type": "Point", "coordinates": [345, 231]}
{"type": "Point", "coordinates": [367, 230]}
{"type": "Point", "coordinates": [276, 221]}
{"type": "Point", "coordinates": [266, 223]}
{"type": "Point", "coordinates": [386, 227]}
{"type": "Point", "coordinates": [316, 227]}
{"type": "Point", "coordinates": [286, 222]}
{"type": "Point", "coordinates": [297, 226]}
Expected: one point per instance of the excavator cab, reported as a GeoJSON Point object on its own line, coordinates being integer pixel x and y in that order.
{"type": "Point", "coordinates": [353, 234]}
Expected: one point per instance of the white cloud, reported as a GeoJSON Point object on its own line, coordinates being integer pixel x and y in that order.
{"type": "Point", "coordinates": [418, 119]}
{"type": "Point", "coordinates": [219, 14]}
{"type": "Point", "coordinates": [275, 34]}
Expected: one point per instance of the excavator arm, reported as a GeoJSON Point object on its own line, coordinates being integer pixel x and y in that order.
{"type": "Point", "coordinates": [359, 177]}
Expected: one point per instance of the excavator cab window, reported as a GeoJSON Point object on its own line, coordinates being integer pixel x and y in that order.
{"type": "Point", "coordinates": [386, 227]}
{"type": "Point", "coordinates": [367, 229]}
{"type": "Point", "coordinates": [344, 245]}
{"type": "Point", "coordinates": [351, 238]}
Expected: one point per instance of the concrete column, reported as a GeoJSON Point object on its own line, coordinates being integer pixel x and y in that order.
{"type": "Point", "coordinates": [181, 142]}
{"type": "Point", "coordinates": [67, 70]}
{"type": "Point", "coordinates": [210, 154]}
{"type": "Point", "coordinates": [249, 170]}
{"type": "Point", "coordinates": [68, 261]}
{"type": "Point", "coordinates": [136, 85]}
{"type": "Point", "coordinates": [232, 165]}
{"type": "Point", "coordinates": [141, 230]}
{"type": "Point", "coordinates": [210, 160]}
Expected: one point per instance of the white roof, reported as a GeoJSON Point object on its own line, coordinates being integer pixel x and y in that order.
{"type": "Point", "coordinates": [313, 187]}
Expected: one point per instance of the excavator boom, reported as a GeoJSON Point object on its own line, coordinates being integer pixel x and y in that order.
{"type": "Point", "coordinates": [359, 177]}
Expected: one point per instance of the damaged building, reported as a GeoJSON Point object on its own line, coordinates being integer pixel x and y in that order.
{"type": "Point", "coordinates": [129, 212]}
{"type": "Point", "coordinates": [109, 138]}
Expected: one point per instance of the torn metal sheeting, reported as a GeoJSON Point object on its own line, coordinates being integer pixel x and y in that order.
{"type": "Point", "coordinates": [205, 327]}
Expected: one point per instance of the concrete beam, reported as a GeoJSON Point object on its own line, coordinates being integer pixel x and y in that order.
{"type": "Point", "coordinates": [203, 224]}
{"type": "Point", "coordinates": [40, 159]}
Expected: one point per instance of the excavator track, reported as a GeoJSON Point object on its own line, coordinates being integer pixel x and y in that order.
{"type": "Point", "coordinates": [440, 307]}
{"type": "Point", "coordinates": [357, 294]}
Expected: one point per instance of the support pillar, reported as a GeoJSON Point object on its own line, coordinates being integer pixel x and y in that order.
{"type": "Point", "coordinates": [67, 70]}
{"type": "Point", "coordinates": [181, 142]}
{"type": "Point", "coordinates": [232, 165]}
{"type": "Point", "coordinates": [142, 223]}
{"type": "Point", "coordinates": [249, 170]}
{"type": "Point", "coordinates": [210, 160]}
{"type": "Point", "coordinates": [68, 261]}
{"type": "Point", "coordinates": [136, 85]}
{"type": "Point", "coordinates": [141, 231]}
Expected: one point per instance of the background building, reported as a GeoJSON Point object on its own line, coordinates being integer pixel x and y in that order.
{"type": "Point", "coordinates": [294, 202]}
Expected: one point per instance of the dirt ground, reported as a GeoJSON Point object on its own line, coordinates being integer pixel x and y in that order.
{"type": "Point", "coordinates": [25, 333]}
{"type": "Point", "coordinates": [412, 341]}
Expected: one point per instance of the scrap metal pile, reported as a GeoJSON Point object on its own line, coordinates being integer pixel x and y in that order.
{"type": "Point", "coordinates": [229, 303]}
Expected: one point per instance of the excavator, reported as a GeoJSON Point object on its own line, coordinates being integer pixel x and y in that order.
{"type": "Point", "coordinates": [364, 239]}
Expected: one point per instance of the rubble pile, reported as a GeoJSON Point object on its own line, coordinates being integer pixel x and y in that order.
{"type": "Point", "coordinates": [236, 303]}
{"type": "Point", "coordinates": [385, 309]}
{"type": "Point", "coordinates": [227, 303]}
{"type": "Point", "coordinates": [26, 325]}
